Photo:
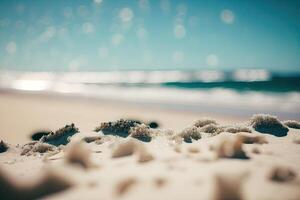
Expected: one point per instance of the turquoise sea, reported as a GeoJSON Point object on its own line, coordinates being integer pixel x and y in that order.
{"type": "Point", "coordinates": [239, 92]}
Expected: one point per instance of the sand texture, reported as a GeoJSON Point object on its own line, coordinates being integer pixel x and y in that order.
{"type": "Point", "coordinates": [256, 159]}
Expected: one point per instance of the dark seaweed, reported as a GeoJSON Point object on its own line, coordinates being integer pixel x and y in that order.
{"type": "Point", "coordinates": [60, 137]}
{"type": "Point", "coordinates": [39, 134]}
{"type": "Point", "coordinates": [120, 127]}
{"type": "Point", "coordinates": [3, 147]}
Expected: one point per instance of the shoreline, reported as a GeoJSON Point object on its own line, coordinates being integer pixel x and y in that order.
{"type": "Point", "coordinates": [25, 112]}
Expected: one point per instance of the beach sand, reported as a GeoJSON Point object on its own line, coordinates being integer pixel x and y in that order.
{"type": "Point", "coordinates": [22, 114]}
{"type": "Point", "coordinates": [222, 160]}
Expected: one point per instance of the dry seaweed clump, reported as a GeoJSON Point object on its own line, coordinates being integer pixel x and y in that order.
{"type": "Point", "coordinates": [61, 136]}
{"type": "Point", "coordinates": [268, 124]}
{"type": "Point", "coordinates": [89, 139]}
{"type": "Point", "coordinates": [292, 124]}
{"type": "Point", "coordinates": [3, 147]}
{"type": "Point", "coordinates": [237, 129]}
{"type": "Point", "coordinates": [151, 124]}
{"type": "Point", "coordinates": [204, 122]}
{"type": "Point", "coordinates": [189, 134]}
{"type": "Point", "coordinates": [211, 130]}
{"type": "Point", "coordinates": [36, 147]}
{"type": "Point", "coordinates": [120, 127]}
{"type": "Point", "coordinates": [36, 136]}
{"type": "Point", "coordinates": [141, 132]}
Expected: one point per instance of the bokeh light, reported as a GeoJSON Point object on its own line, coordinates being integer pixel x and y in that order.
{"type": "Point", "coordinates": [212, 60]}
{"type": "Point", "coordinates": [178, 57]}
{"type": "Point", "coordinates": [130, 28]}
{"type": "Point", "coordinates": [179, 31]}
{"type": "Point", "coordinates": [88, 28]}
{"type": "Point", "coordinates": [103, 52]}
{"type": "Point", "coordinates": [126, 14]}
{"type": "Point", "coordinates": [227, 16]}
{"type": "Point", "coordinates": [11, 47]}
{"type": "Point", "coordinates": [117, 39]}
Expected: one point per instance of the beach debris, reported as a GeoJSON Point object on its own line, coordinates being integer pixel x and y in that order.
{"type": "Point", "coordinates": [61, 136]}
{"type": "Point", "coordinates": [36, 136]}
{"type": "Point", "coordinates": [124, 185]}
{"type": "Point", "coordinates": [292, 124]}
{"type": "Point", "coordinates": [37, 147]}
{"type": "Point", "coordinates": [151, 124]}
{"type": "Point", "coordinates": [204, 122]}
{"type": "Point", "coordinates": [135, 120]}
{"type": "Point", "coordinates": [141, 132]}
{"type": "Point", "coordinates": [51, 183]}
{"type": "Point", "coordinates": [89, 139]}
{"type": "Point", "coordinates": [204, 128]}
{"type": "Point", "coordinates": [268, 124]}
{"type": "Point", "coordinates": [189, 134]}
{"type": "Point", "coordinates": [120, 127]}
{"type": "Point", "coordinates": [282, 174]}
{"type": "Point", "coordinates": [79, 154]}
{"type": "Point", "coordinates": [130, 147]}
{"type": "Point", "coordinates": [3, 147]}
{"type": "Point", "coordinates": [124, 128]}
{"type": "Point", "coordinates": [237, 129]}
{"type": "Point", "coordinates": [231, 148]}
{"type": "Point", "coordinates": [210, 130]}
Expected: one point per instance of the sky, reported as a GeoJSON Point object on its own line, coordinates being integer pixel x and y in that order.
{"type": "Point", "coordinates": [96, 35]}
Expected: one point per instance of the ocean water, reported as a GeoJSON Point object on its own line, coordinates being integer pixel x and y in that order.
{"type": "Point", "coordinates": [240, 92]}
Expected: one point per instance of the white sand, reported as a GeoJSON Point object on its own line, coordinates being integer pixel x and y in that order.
{"type": "Point", "coordinates": [22, 114]}
{"type": "Point", "coordinates": [164, 168]}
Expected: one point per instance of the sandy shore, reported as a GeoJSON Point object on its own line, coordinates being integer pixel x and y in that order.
{"type": "Point", "coordinates": [22, 114]}
{"type": "Point", "coordinates": [223, 158]}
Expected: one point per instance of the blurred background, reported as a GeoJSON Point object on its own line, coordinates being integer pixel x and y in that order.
{"type": "Point", "coordinates": [230, 57]}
